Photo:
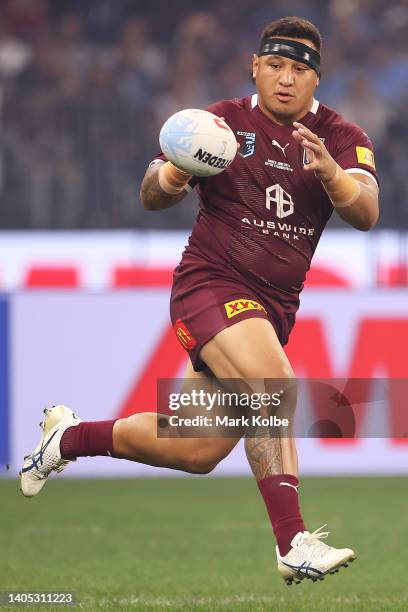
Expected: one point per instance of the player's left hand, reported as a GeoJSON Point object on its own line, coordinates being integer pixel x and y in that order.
{"type": "Point", "coordinates": [320, 160]}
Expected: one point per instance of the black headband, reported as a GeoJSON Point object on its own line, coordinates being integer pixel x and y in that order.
{"type": "Point", "coordinates": [292, 49]}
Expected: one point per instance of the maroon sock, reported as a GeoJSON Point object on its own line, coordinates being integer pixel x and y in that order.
{"type": "Point", "coordinates": [88, 439]}
{"type": "Point", "coordinates": [282, 503]}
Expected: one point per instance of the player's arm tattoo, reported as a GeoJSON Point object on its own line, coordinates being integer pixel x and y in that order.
{"type": "Point", "coordinates": [264, 454]}
{"type": "Point", "coordinates": [152, 195]}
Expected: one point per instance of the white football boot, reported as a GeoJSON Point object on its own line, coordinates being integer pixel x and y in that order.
{"type": "Point", "coordinates": [311, 558]}
{"type": "Point", "coordinates": [46, 457]}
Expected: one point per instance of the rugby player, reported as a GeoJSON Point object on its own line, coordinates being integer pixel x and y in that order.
{"type": "Point", "coordinates": [258, 226]}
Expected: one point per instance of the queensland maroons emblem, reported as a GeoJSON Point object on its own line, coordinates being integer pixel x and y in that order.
{"type": "Point", "coordinates": [247, 142]}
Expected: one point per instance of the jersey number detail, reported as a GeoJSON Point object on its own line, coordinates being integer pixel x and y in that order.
{"type": "Point", "coordinates": [282, 199]}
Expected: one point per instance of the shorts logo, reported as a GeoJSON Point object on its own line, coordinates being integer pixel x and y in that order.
{"type": "Point", "coordinates": [248, 146]}
{"type": "Point", "coordinates": [365, 156]}
{"type": "Point", "coordinates": [237, 306]}
{"type": "Point", "coordinates": [184, 336]}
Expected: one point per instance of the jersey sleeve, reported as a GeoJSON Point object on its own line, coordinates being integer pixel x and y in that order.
{"type": "Point", "coordinates": [218, 108]}
{"type": "Point", "coordinates": [354, 151]}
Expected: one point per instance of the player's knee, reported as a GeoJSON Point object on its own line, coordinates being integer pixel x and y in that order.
{"type": "Point", "coordinates": [281, 371]}
{"type": "Point", "coordinates": [284, 372]}
{"type": "Point", "coordinates": [284, 377]}
{"type": "Point", "coordinates": [200, 463]}
{"type": "Point", "coordinates": [198, 466]}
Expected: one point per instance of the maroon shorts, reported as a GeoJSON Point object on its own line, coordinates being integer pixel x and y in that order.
{"type": "Point", "coordinates": [203, 303]}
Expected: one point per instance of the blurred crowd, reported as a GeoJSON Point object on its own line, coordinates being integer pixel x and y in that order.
{"type": "Point", "coordinates": [86, 84]}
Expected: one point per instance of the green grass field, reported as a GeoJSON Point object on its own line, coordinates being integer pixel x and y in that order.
{"type": "Point", "coordinates": [199, 544]}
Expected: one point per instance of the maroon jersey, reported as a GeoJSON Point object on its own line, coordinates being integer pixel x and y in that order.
{"type": "Point", "coordinates": [262, 217]}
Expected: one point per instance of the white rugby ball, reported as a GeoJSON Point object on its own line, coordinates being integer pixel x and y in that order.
{"type": "Point", "coordinates": [198, 142]}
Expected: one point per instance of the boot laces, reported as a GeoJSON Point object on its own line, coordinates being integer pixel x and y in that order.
{"type": "Point", "coordinates": [313, 540]}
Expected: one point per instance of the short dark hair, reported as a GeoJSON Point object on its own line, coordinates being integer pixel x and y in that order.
{"type": "Point", "coordinates": [295, 27]}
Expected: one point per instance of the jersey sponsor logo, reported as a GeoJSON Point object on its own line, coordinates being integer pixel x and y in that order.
{"type": "Point", "coordinates": [211, 160]}
{"type": "Point", "coordinates": [306, 160]}
{"type": "Point", "coordinates": [248, 145]}
{"type": "Point", "coordinates": [275, 143]}
{"type": "Point", "coordinates": [287, 231]}
{"type": "Point", "coordinates": [185, 338]}
{"type": "Point", "coordinates": [365, 156]}
{"type": "Point", "coordinates": [282, 199]}
{"type": "Point", "coordinates": [236, 307]}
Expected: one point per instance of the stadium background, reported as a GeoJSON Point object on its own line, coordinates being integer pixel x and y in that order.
{"type": "Point", "coordinates": [84, 279]}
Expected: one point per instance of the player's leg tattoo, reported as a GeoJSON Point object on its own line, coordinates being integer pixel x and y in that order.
{"type": "Point", "coordinates": [272, 450]}
{"type": "Point", "coordinates": [264, 453]}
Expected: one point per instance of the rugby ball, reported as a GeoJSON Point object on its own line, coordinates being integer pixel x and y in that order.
{"type": "Point", "coordinates": [198, 142]}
